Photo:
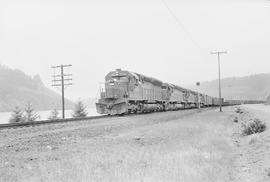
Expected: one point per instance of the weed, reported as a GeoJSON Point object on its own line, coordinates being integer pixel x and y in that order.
{"type": "Point", "coordinates": [254, 126]}
{"type": "Point", "coordinates": [239, 110]}
{"type": "Point", "coordinates": [235, 120]}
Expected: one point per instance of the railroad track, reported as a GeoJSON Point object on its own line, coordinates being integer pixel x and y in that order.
{"type": "Point", "coordinates": [42, 122]}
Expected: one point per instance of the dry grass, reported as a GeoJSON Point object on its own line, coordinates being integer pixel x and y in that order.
{"type": "Point", "coordinates": [255, 138]}
{"type": "Point", "coordinates": [190, 150]}
{"type": "Point", "coordinates": [193, 148]}
{"type": "Point", "coordinates": [191, 165]}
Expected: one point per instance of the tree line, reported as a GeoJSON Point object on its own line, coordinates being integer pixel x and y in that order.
{"type": "Point", "coordinates": [28, 113]}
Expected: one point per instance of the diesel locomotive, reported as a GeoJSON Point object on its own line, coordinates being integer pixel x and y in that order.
{"type": "Point", "coordinates": [128, 92]}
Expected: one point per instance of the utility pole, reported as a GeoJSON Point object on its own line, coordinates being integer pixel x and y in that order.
{"type": "Point", "coordinates": [199, 97]}
{"type": "Point", "coordinates": [62, 80]}
{"type": "Point", "coordinates": [218, 53]}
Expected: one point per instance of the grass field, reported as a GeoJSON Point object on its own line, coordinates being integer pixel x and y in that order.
{"type": "Point", "coordinates": [171, 146]}
{"type": "Point", "coordinates": [191, 149]}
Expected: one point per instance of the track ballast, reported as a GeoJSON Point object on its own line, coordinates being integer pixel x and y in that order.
{"type": "Point", "coordinates": [43, 122]}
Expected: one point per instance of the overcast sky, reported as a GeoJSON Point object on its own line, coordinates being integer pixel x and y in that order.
{"type": "Point", "coordinates": [144, 36]}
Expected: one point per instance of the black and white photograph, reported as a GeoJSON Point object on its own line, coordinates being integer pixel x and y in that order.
{"type": "Point", "coordinates": [134, 91]}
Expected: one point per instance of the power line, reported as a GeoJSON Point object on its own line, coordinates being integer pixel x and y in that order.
{"type": "Point", "coordinates": [182, 28]}
{"type": "Point", "coordinates": [181, 25]}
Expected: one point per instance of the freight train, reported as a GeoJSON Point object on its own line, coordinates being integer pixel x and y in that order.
{"type": "Point", "coordinates": [127, 92]}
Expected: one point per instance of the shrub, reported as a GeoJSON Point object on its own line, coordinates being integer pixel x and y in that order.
{"type": "Point", "coordinates": [17, 115]}
{"type": "Point", "coordinates": [267, 102]}
{"type": "Point", "coordinates": [30, 114]}
{"type": "Point", "coordinates": [254, 126]}
{"type": "Point", "coordinates": [54, 114]}
{"type": "Point", "coordinates": [79, 110]}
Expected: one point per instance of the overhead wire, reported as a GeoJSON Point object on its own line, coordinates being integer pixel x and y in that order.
{"type": "Point", "coordinates": [182, 27]}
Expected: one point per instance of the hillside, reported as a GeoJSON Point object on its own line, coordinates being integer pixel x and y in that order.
{"type": "Point", "coordinates": [253, 87]}
{"type": "Point", "coordinates": [17, 88]}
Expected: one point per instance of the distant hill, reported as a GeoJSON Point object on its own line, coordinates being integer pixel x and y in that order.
{"type": "Point", "coordinates": [253, 87]}
{"type": "Point", "coordinates": [17, 88]}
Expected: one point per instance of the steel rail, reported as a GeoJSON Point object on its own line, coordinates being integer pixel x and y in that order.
{"type": "Point", "coordinates": [41, 122]}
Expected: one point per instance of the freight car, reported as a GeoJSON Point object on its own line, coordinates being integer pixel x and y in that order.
{"type": "Point", "coordinates": [239, 102]}
{"type": "Point", "coordinates": [129, 92]}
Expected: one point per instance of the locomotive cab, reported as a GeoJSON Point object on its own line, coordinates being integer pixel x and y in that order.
{"type": "Point", "coordinates": [116, 85]}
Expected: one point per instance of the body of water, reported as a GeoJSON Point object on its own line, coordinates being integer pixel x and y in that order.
{"type": "Point", "coordinates": [5, 116]}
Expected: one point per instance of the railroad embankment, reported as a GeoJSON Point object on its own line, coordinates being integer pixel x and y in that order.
{"type": "Point", "coordinates": [190, 145]}
{"type": "Point", "coordinates": [252, 162]}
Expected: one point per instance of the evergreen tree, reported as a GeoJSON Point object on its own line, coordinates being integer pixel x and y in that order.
{"type": "Point", "coordinates": [54, 114]}
{"type": "Point", "coordinates": [267, 100]}
{"type": "Point", "coordinates": [30, 114]}
{"type": "Point", "coordinates": [17, 116]}
{"type": "Point", "coordinates": [79, 110]}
